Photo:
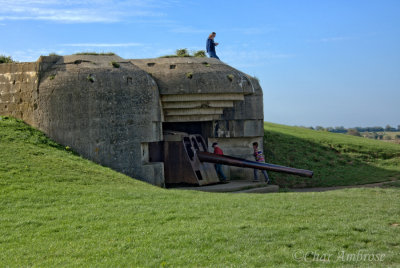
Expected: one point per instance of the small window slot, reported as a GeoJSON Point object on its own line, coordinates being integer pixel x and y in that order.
{"type": "Point", "coordinates": [188, 147]}
{"type": "Point", "coordinates": [198, 174]}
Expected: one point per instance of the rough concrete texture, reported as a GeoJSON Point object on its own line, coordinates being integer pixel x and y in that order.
{"type": "Point", "coordinates": [109, 109]}
{"type": "Point", "coordinates": [206, 89]}
{"type": "Point", "coordinates": [189, 75]}
{"type": "Point", "coordinates": [18, 84]}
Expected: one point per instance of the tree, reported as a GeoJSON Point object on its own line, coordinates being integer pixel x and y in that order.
{"type": "Point", "coordinates": [5, 59]}
{"type": "Point", "coordinates": [377, 129]}
{"type": "Point", "coordinates": [319, 128]}
{"type": "Point", "coordinates": [353, 132]}
{"type": "Point", "coordinates": [340, 129]}
{"type": "Point", "coordinates": [398, 128]}
{"type": "Point", "coordinates": [388, 128]}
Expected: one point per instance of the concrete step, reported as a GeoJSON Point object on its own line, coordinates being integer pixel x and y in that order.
{"type": "Point", "coordinates": [236, 186]}
{"type": "Point", "coordinates": [262, 190]}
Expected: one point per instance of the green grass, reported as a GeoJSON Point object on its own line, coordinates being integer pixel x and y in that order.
{"type": "Point", "coordinates": [115, 64]}
{"type": "Point", "coordinates": [393, 184]}
{"type": "Point", "coordinates": [58, 209]}
{"type": "Point", "coordinates": [184, 53]}
{"type": "Point", "coordinates": [336, 159]}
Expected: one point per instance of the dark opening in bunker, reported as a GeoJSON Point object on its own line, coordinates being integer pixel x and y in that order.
{"type": "Point", "coordinates": [201, 128]}
{"type": "Point", "coordinates": [198, 174]}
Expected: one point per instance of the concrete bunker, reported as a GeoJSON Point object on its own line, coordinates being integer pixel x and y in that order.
{"type": "Point", "coordinates": [146, 118]}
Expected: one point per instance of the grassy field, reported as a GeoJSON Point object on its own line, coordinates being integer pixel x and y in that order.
{"type": "Point", "coordinates": [336, 159]}
{"type": "Point", "coordinates": [57, 209]}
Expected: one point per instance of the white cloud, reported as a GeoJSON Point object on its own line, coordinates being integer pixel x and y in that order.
{"type": "Point", "coordinates": [253, 30]}
{"type": "Point", "coordinates": [332, 39]}
{"type": "Point", "coordinates": [30, 55]}
{"type": "Point", "coordinates": [84, 11]}
{"type": "Point", "coordinates": [103, 45]}
{"type": "Point", "coordinates": [187, 29]}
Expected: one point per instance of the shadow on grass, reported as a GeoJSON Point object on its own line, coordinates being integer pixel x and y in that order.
{"type": "Point", "coordinates": [331, 166]}
{"type": "Point", "coordinates": [17, 130]}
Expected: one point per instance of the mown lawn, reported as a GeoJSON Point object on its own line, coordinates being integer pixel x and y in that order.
{"type": "Point", "coordinates": [57, 209]}
{"type": "Point", "coordinates": [336, 159]}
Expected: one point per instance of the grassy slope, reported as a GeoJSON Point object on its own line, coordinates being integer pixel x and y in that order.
{"type": "Point", "coordinates": [336, 159]}
{"type": "Point", "coordinates": [59, 209]}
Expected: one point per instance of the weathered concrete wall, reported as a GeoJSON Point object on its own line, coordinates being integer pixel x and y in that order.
{"type": "Point", "coordinates": [106, 114]}
{"type": "Point", "coordinates": [204, 89]}
{"type": "Point", "coordinates": [18, 89]}
{"type": "Point", "coordinates": [191, 75]}
{"type": "Point", "coordinates": [240, 126]}
{"type": "Point", "coordinates": [110, 114]}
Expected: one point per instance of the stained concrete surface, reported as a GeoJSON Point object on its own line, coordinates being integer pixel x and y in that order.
{"type": "Point", "coordinates": [109, 109]}
{"type": "Point", "coordinates": [235, 186]}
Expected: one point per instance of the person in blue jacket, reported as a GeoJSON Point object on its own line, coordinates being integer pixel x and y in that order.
{"type": "Point", "coordinates": [211, 46]}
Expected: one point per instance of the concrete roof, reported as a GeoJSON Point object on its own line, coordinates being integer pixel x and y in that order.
{"type": "Point", "coordinates": [191, 75]}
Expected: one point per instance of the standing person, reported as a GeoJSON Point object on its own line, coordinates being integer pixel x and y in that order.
{"type": "Point", "coordinates": [218, 167]}
{"type": "Point", "coordinates": [258, 154]}
{"type": "Point", "coordinates": [211, 46]}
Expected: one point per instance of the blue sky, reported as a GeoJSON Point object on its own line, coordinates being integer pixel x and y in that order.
{"type": "Point", "coordinates": [320, 62]}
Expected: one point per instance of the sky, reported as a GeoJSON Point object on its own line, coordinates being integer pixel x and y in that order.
{"type": "Point", "coordinates": [319, 62]}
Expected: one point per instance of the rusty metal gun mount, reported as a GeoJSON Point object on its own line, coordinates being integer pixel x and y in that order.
{"type": "Point", "coordinates": [187, 161]}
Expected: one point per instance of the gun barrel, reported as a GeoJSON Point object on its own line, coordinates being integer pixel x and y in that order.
{"type": "Point", "coordinates": [239, 162]}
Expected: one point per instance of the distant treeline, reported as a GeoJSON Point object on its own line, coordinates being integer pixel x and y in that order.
{"type": "Point", "coordinates": [377, 133]}
{"type": "Point", "coordinates": [341, 129]}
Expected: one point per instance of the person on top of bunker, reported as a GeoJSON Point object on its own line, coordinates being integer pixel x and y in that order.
{"type": "Point", "coordinates": [210, 46]}
{"type": "Point", "coordinates": [259, 156]}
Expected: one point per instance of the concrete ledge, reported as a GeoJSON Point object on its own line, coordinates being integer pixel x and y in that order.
{"type": "Point", "coordinates": [191, 118]}
{"type": "Point", "coordinates": [262, 190]}
{"type": "Point", "coordinates": [235, 186]}
{"type": "Point", "coordinates": [193, 111]}
{"type": "Point", "coordinates": [202, 97]}
{"type": "Point", "coordinates": [197, 104]}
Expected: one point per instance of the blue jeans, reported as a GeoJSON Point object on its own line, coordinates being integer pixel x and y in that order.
{"type": "Point", "coordinates": [212, 54]}
{"type": "Point", "coordinates": [263, 172]}
{"type": "Point", "coordinates": [218, 168]}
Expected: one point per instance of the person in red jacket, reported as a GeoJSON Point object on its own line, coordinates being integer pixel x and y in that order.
{"type": "Point", "coordinates": [218, 167]}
